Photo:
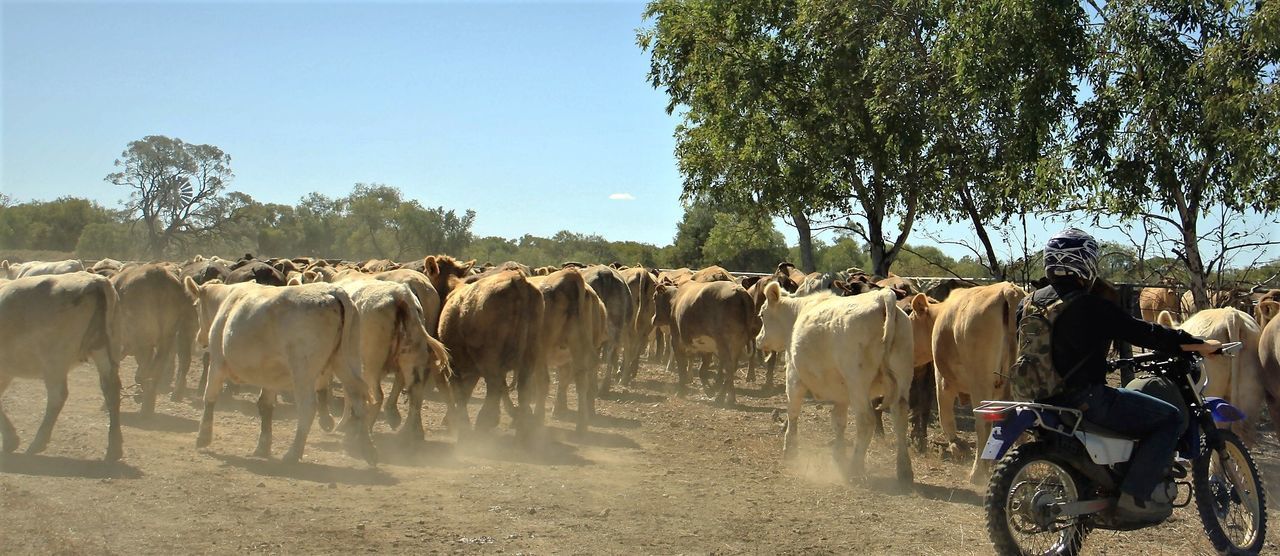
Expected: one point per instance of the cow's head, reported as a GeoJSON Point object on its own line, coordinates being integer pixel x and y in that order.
{"type": "Point", "coordinates": [777, 319]}
{"type": "Point", "coordinates": [1266, 311]}
{"type": "Point", "coordinates": [6, 269]}
{"type": "Point", "coordinates": [924, 313]}
{"type": "Point", "coordinates": [662, 298]}
{"type": "Point", "coordinates": [443, 269]}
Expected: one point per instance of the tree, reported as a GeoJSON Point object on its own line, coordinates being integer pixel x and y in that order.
{"type": "Point", "coordinates": [175, 187]}
{"type": "Point", "coordinates": [52, 225]}
{"type": "Point", "coordinates": [861, 109]}
{"type": "Point", "coordinates": [691, 233]}
{"type": "Point", "coordinates": [750, 244]}
{"type": "Point", "coordinates": [1183, 119]}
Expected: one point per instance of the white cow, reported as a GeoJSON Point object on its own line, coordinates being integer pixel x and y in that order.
{"type": "Point", "coordinates": [848, 350]}
{"type": "Point", "coordinates": [49, 324]}
{"type": "Point", "coordinates": [394, 340]}
{"type": "Point", "coordinates": [281, 339]}
{"type": "Point", "coordinates": [1237, 379]}
{"type": "Point", "coordinates": [40, 268]}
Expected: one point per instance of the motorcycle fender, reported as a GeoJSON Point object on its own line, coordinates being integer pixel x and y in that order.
{"type": "Point", "coordinates": [1006, 432]}
{"type": "Point", "coordinates": [1223, 411]}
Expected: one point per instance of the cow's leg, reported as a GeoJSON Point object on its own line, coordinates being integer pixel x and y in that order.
{"type": "Point", "coordinates": [704, 376]}
{"type": "Point", "coordinates": [681, 367]}
{"type": "Point", "coordinates": [109, 380]}
{"type": "Point", "coordinates": [562, 391]}
{"type": "Point", "coordinates": [795, 402]}
{"type": "Point", "coordinates": [582, 383]}
{"type": "Point", "coordinates": [863, 414]}
{"type": "Point", "coordinates": [947, 410]}
{"type": "Point", "coordinates": [771, 363]}
{"type": "Point", "coordinates": [148, 376]}
{"type": "Point", "coordinates": [8, 434]}
{"type": "Point", "coordinates": [212, 391]}
{"type": "Point", "coordinates": [391, 407]}
{"type": "Point", "coordinates": [728, 374]}
{"type": "Point", "coordinates": [899, 412]}
{"type": "Point", "coordinates": [323, 396]}
{"type": "Point", "coordinates": [752, 355]}
{"type": "Point", "coordinates": [186, 337]}
{"type": "Point", "coordinates": [878, 406]}
{"type": "Point", "coordinates": [266, 406]}
{"type": "Point", "coordinates": [359, 442]}
{"type": "Point", "coordinates": [495, 390]}
{"type": "Point", "coordinates": [839, 422]}
{"type": "Point", "coordinates": [921, 403]}
{"type": "Point", "coordinates": [305, 404]}
{"type": "Point", "coordinates": [56, 385]}
{"type": "Point", "coordinates": [457, 417]}
{"type": "Point", "coordinates": [412, 430]}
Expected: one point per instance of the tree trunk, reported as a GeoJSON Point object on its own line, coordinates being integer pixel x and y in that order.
{"type": "Point", "coordinates": [801, 221]}
{"type": "Point", "coordinates": [993, 263]}
{"type": "Point", "coordinates": [1195, 265]}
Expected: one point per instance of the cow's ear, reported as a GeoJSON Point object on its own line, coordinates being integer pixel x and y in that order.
{"type": "Point", "coordinates": [310, 277]}
{"type": "Point", "coordinates": [841, 284]}
{"type": "Point", "coordinates": [4, 265]}
{"type": "Point", "coordinates": [772, 292]}
{"type": "Point", "coordinates": [294, 280]}
{"type": "Point", "coordinates": [899, 293]}
{"type": "Point", "coordinates": [467, 266]}
{"type": "Point", "coordinates": [193, 289]}
{"type": "Point", "coordinates": [1165, 318]}
{"type": "Point", "coordinates": [429, 265]}
{"type": "Point", "coordinates": [920, 304]}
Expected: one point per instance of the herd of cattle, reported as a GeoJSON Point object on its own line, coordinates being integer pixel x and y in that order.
{"type": "Point", "coordinates": [291, 326]}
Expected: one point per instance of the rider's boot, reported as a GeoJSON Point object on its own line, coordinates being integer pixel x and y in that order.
{"type": "Point", "coordinates": [1130, 509]}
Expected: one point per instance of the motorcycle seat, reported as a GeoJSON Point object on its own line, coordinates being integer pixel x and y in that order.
{"type": "Point", "coordinates": [1094, 428]}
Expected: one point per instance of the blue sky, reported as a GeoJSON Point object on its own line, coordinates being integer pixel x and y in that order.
{"type": "Point", "coordinates": [534, 114]}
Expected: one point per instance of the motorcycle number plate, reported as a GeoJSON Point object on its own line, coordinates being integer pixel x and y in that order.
{"type": "Point", "coordinates": [994, 443]}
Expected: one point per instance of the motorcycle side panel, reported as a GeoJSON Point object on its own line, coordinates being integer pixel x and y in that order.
{"type": "Point", "coordinates": [1106, 450]}
{"type": "Point", "coordinates": [1004, 434]}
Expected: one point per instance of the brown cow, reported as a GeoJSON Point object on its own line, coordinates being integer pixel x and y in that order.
{"type": "Point", "coordinates": [711, 318]}
{"type": "Point", "coordinates": [970, 338]}
{"type": "Point", "coordinates": [1153, 300]}
{"type": "Point", "coordinates": [441, 270]}
{"type": "Point", "coordinates": [156, 321]}
{"type": "Point", "coordinates": [642, 284]}
{"type": "Point", "coordinates": [620, 308]}
{"type": "Point", "coordinates": [712, 273]}
{"type": "Point", "coordinates": [490, 326]}
{"type": "Point", "coordinates": [256, 271]}
{"type": "Point", "coordinates": [1269, 354]}
{"type": "Point", "coordinates": [787, 276]}
{"type": "Point", "coordinates": [567, 341]}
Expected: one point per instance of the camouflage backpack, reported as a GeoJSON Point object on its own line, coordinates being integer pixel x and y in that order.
{"type": "Point", "coordinates": [1032, 376]}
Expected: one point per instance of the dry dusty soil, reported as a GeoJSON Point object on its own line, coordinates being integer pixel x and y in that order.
{"type": "Point", "coordinates": [656, 474]}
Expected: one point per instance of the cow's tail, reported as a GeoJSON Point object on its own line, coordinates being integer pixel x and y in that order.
{"type": "Point", "coordinates": [1235, 333]}
{"type": "Point", "coordinates": [103, 330]}
{"type": "Point", "coordinates": [898, 348]}
{"type": "Point", "coordinates": [1012, 296]}
{"type": "Point", "coordinates": [344, 360]}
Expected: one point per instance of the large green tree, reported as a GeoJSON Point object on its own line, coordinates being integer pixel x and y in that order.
{"type": "Point", "coordinates": [868, 110]}
{"type": "Point", "coordinates": [175, 189]}
{"type": "Point", "coordinates": [1183, 118]}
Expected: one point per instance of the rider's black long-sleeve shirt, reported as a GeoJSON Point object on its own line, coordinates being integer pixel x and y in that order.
{"type": "Point", "coordinates": [1084, 330]}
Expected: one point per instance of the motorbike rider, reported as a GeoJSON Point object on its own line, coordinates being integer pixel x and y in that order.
{"type": "Point", "coordinates": [1081, 337]}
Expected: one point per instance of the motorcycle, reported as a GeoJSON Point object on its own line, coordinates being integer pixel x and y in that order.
{"type": "Point", "coordinates": [1048, 492]}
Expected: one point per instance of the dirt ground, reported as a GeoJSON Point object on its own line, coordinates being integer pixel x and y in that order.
{"type": "Point", "coordinates": [656, 474]}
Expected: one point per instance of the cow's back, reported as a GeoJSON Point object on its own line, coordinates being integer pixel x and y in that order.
{"type": "Point", "coordinates": [48, 323]}
{"type": "Point", "coordinates": [495, 320]}
{"type": "Point", "coordinates": [152, 306]}
{"type": "Point", "coordinates": [714, 309]}
{"type": "Point", "coordinates": [975, 330]}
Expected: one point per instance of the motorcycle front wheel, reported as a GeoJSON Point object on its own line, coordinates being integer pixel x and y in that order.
{"type": "Point", "coordinates": [1025, 486]}
{"type": "Point", "coordinates": [1230, 497]}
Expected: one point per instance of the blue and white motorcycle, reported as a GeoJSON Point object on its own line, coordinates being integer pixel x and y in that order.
{"type": "Point", "coordinates": [1048, 492]}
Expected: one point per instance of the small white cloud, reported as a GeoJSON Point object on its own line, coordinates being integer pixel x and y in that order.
{"type": "Point", "coordinates": [622, 197]}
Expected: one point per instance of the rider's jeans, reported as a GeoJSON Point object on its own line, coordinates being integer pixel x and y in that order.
{"type": "Point", "coordinates": [1134, 413]}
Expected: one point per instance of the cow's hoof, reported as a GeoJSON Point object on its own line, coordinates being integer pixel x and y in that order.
{"type": "Point", "coordinates": [393, 419]}
{"type": "Point", "coordinates": [37, 446]}
{"type": "Point", "coordinates": [560, 411]}
{"type": "Point", "coordinates": [263, 452]}
{"type": "Point", "coordinates": [114, 453]}
{"type": "Point", "coordinates": [10, 444]}
{"type": "Point", "coordinates": [204, 439]}
{"type": "Point", "coordinates": [292, 456]}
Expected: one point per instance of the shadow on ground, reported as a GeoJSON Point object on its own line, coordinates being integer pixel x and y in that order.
{"type": "Point", "coordinates": [57, 466]}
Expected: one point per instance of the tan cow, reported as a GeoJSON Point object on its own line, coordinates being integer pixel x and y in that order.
{"type": "Point", "coordinates": [847, 350]}
{"type": "Point", "coordinates": [1269, 355]}
{"type": "Point", "coordinates": [642, 284]}
{"type": "Point", "coordinates": [374, 266]}
{"type": "Point", "coordinates": [157, 321]}
{"type": "Point", "coordinates": [48, 325]}
{"type": "Point", "coordinates": [568, 341]}
{"type": "Point", "coordinates": [1236, 379]}
{"type": "Point", "coordinates": [291, 339]}
{"type": "Point", "coordinates": [40, 268]}
{"type": "Point", "coordinates": [490, 326]}
{"type": "Point", "coordinates": [1259, 313]}
{"type": "Point", "coordinates": [1153, 300]}
{"type": "Point", "coordinates": [971, 341]}
{"type": "Point", "coordinates": [712, 273]}
{"type": "Point", "coordinates": [712, 318]}
{"type": "Point", "coordinates": [612, 289]}
{"type": "Point", "coordinates": [394, 340]}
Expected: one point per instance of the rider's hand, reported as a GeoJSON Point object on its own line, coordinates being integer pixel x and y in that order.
{"type": "Point", "coordinates": [1207, 348]}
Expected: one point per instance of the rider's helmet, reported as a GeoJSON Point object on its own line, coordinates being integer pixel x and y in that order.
{"type": "Point", "coordinates": [1071, 252]}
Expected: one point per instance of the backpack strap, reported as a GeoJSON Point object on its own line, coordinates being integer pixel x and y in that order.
{"type": "Point", "coordinates": [1071, 296]}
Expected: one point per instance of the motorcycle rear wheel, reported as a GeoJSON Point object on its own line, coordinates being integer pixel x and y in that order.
{"type": "Point", "coordinates": [1022, 484]}
{"type": "Point", "coordinates": [1230, 497]}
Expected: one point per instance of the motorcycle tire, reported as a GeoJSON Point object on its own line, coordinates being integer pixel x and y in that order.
{"type": "Point", "coordinates": [1230, 498]}
{"type": "Point", "coordinates": [1011, 523]}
